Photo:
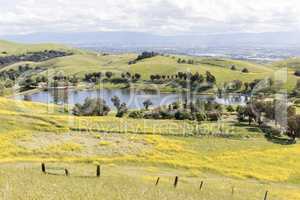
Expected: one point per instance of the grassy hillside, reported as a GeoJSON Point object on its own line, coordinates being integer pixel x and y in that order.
{"type": "Point", "coordinates": [129, 183]}
{"type": "Point", "coordinates": [293, 63]}
{"type": "Point", "coordinates": [36, 132]}
{"type": "Point", "coordinates": [83, 62]}
{"type": "Point", "coordinates": [11, 48]}
{"type": "Point", "coordinates": [87, 63]}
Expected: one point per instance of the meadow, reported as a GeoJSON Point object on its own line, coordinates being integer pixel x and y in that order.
{"type": "Point", "coordinates": [133, 158]}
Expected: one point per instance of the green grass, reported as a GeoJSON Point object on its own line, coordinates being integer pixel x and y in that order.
{"type": "Point", "coordinates": [240, 152]}
{"type": "Point", "coordinates": [12, 48]}
{"type": "Point", "coordinates": [133, 153]}
{"type": "Point", "coordinates": [129, 183]}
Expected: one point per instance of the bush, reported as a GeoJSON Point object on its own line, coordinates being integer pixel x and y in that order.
{"type": "Point", "coordinates": [183, 115]}
{"type": "Point", "coordinates": [230, 108]}
{"type": "Point", "coordinates": [214, 115]}
{"type": "Point", "coordinates": [166, 115]}
{"type": "Point", "coordinates": [233, 67]}
{"type": "Point", "coordinates": [122, 110]}
{"type": "Point", "coordinates": [245, 70]}
{"type": "Point", "coordinates": [201, 116]}
{"type": "Point", "coordinates": [91, 107]}
{"type": "Point", "coordinates": [297, 101]}
{"type": "Point", "coordinates": [136, 114]}
{"type": "Point", "coordinates": [297, 73]}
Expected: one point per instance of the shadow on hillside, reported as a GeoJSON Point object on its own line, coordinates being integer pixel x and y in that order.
{"type": "Point", "coordinates": [73, 176]}
{"type": "Point", "coordinates": [266, 130]}
{"type": "Point", "coordinates": [251, 128]}
{"type": "Point", "coordinates": [279, 140]}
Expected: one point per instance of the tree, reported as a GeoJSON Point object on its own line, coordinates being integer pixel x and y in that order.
{"type": "Point", "coordinates": [137, 76]}
{"type": "Point", "coordinates": [246, 85]}
{"type": "Point", "coordinates": [91, 107]}
{"type": "Point", "coordinates": [122, 110]}
{"type": "Point", "coordinates": [245, 70]}
{"type": "Point", "coordinates": [74, 80]}
{"type": "Point", "coordinates": [237, 84]}
{"type": "Point", "coordinates": [1, 89]}
{"type": "Point", "coordinates": [108, 74]}
{"type": "Point", "coordinates": [116, 101]}
{"type": "Point", "coordinates": [147, 103]}
{"type": "Point", "coordinates": [233, 67]}
{"type": "Point", "coordinates": [152, 77]}
{"type": "Point", "coordinates": [230, 108]}
{"type": "Point", "coordinates": [294, 126]}
{"type": "Point", "coordinates": [297, 73]}
{"type": "Point", "coordinates": [210, 78]}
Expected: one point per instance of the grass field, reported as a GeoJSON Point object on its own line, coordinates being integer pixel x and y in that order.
{"type": "Point", "coordinates": [242, 157]}
{"type": "Point", "coordinates": [129, 182]}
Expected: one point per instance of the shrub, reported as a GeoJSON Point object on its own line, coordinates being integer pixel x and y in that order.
{"type": "Point", "coordinates": [297, 73]}
{"type": "Point", "coordinates": [147, 103]}
{"type": "Point", "coordinates": [136, 114]}
{"type": "Point", "coordinates": [297, 101]}
{"type": "Point", "coordinates": [201, 116]}
{"type": "Point", "coordinates": [108, 74]}
{"type": "Point", "coordinates": [245, 70]}
{"type": "Point", "coordinates": [294, 126]}
{"type": "Point", "coordinates": [166, 114]}
{"type": "Point", "coordinates": [122, 110]}
{"type": "Point", "coordinates": [183, 115]}
{"type": "Point", "coordinates": [233, 67]}
{"type": "Point", "coordinates": [230, 108]}
{"type": "Point", "coordinates": [214, 115]}
{"type": "Point", "coordinates": [91, 107]}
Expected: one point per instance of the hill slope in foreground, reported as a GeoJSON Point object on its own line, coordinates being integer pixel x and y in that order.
{"type": "Point", "coordinates": [132, 158]}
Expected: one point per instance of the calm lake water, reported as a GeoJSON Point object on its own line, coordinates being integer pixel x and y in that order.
{"type": "Point", "coordinates": [133, 99]}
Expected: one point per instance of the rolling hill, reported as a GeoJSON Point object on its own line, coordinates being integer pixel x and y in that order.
{"type": "Point", "coordinates": [82, 62]}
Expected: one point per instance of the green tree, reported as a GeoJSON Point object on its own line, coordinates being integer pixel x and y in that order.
{"type": "Point", "coordinates": [147, 103]}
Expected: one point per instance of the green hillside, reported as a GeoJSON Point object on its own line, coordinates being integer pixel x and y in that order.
{"type": "Point", "coordinates": [293, 63]}
{"type": "Point", "coordinates": [11, 48]}
{"type": "Point", "coordinates": [132, 161]}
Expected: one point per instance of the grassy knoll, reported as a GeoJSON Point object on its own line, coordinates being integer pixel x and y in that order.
{"type": "Point", "coordinates": [11, 48]}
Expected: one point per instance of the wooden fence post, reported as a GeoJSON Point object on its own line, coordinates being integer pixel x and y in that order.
{"type": "Point", "coordinates": [157, 181]}
{"type": "Point", "coordinates": [201, 184]}
{"type": "Point", "coordinates": [98, 171]}
{"type": "Point", "coordinates": [66, 172]}
{"type": "Point", "coordinates": [43, 168]}
{"type": "Point", "coordinates": [266, 195]}
{"type": "Point", "coordinates": [176, 181]}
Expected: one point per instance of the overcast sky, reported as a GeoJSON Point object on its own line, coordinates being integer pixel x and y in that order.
{"type": "Point", "coordinates": [167, 17]}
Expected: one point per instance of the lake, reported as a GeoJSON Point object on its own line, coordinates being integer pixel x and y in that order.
{"type": "Point", "coordinates": [133, 99]}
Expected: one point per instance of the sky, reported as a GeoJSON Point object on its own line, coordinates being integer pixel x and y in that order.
{"type": "Point", "coordinates": [164, 17]}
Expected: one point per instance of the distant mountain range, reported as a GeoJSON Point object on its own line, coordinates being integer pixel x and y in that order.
{"type": "Point", "coordinates": [282, 39]}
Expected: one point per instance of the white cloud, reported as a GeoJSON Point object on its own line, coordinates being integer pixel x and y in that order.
{"type": "Point", "coordinates": [158, 16]}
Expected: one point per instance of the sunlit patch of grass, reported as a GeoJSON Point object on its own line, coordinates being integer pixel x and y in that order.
{"type": "Point", "coordinates": [104, 143]}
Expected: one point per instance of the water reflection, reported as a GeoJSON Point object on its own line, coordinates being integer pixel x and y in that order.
{"type": "Point", "coordinates": [134, 99]}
